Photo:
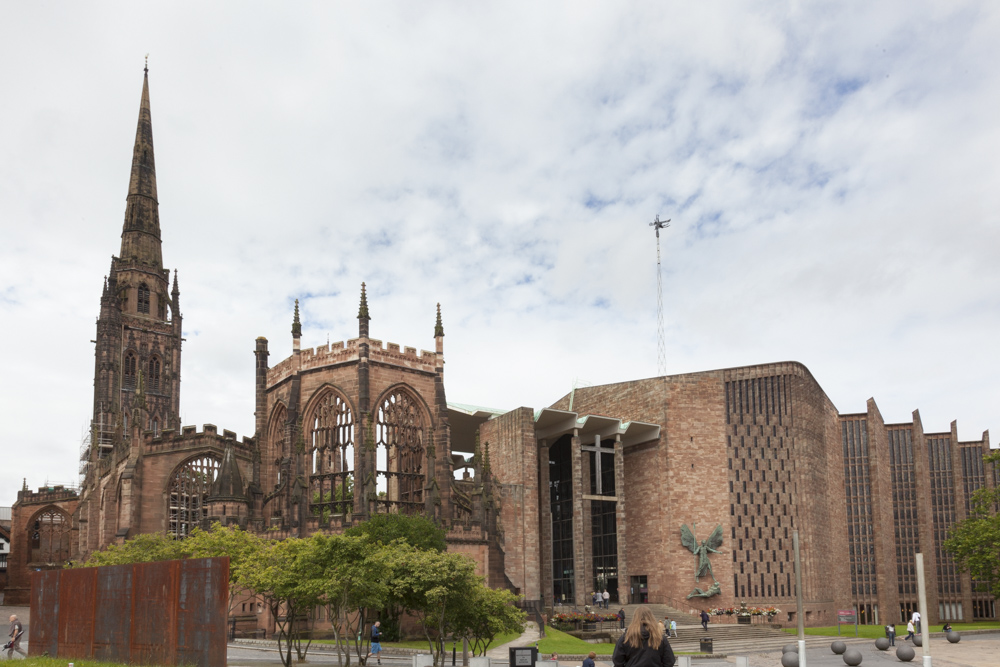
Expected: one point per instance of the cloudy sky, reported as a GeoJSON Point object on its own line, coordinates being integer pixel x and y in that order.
{"type": "Point", "coordinates": [831, 172]}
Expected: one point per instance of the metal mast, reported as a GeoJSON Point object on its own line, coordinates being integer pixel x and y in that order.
{"type": "Point", "coordinates": [661, 343]}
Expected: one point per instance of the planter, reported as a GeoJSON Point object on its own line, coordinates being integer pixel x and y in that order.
{"type": "Point", "coordinates": [743, 620]}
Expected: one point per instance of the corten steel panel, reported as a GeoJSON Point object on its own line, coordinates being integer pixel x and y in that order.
{"type": "Point", "coordinates": [113, 613]}
{"type": "Point", "coordinates": [44, 632]}
{"type": "Point", "coordinates": [76, 612]}
{"type": "Point", "coordinates": [166, 613]}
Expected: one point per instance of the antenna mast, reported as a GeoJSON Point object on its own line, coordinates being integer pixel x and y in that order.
{"type": "Point", "coordinates": [661, 344]}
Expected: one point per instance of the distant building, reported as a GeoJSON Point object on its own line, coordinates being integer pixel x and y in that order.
{"type": "Point", "coordinates": [588, 494]}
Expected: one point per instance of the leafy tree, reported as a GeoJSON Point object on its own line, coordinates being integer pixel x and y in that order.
{"type": "Point", "coordinates": [144, 548]}
{"type": "Point", "coordinates": [485, 613]}
{"type": "Point", "coordinates": [286, 577]}
{"type": "Point", "coordinates": [974, 542]}
{"type": "Point", "coordinates": [432, 586]}
{"type": "Point", "coordinates": [416, 531]}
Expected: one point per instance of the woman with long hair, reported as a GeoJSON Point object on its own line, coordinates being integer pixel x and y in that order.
{"type": "Point", "coordinates": [643, 643]}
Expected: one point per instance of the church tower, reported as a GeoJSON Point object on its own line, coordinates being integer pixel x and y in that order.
{"type": "Point", "coordinates": [139, 326]}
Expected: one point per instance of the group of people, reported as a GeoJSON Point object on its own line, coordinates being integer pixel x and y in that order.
{"type": "Point", "coordinates": [912, 629]}
{"type": "Point", "coordinates": [602, 599]}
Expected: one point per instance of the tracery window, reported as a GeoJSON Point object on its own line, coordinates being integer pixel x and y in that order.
{"type": "Point", "coordinates": [278, 448]}
{"type": "Point", "coordinates": [400, 453]}
{"type": "Point", "coordinates": [187, 495]}
{"type": "Point", "coordinates": [331, 451]}
{"type": "Point", "coordinates": [143, 299]}
{"type": "Point", "coordinates": [128, 371]}
{"type": "Point", "coordinates": [153, 382]}
{"type": "Point", "coordinates": [50, 538]}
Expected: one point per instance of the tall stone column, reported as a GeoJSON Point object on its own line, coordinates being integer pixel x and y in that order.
{"type": "Point", "coordinates": [580, 549]}
{"type": "Point", "coordinates": [620, 520]}
{"type": "Point", "coordinates": [545, 524]}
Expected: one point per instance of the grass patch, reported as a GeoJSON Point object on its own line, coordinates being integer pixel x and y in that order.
{"type": "Point", "coordinates": [876, 631]}
{"type": "Point", "coordinates": [557, 641]}
{"type": "Point", "coordinates": [62, 662]}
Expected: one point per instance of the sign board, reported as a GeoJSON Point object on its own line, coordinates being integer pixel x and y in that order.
{"type": "Point", "coordinates": [847, 616]}
{"type": "Point", "coordinates": [523, 656]}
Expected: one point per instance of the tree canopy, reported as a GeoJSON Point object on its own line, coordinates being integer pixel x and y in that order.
{"type": "Point", "coordinates": [974, 542]}
{"type": "Point", "coordinates": [417, 531]}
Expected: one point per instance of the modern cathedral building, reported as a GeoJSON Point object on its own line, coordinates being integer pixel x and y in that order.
{"type": "Point", "coordinates": [589, 493]}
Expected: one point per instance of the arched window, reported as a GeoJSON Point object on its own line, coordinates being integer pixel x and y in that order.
{"type": "Point", "coordinates": [128, 371]}
{"type": "Point", "coordinates": [50, 538]}
{"type": "Point", "coordinates": [400, 453]}
{"type": "Point", "coordinates": [143, 301]}
{"type": "Point", "coordinates": [277, 448]}
{"type": "Point", "coordinates": [187, 495]}
{"type": "Point", "coordinates": [331, 452]}
{"type": "Point", "coordinates": [153, 378]}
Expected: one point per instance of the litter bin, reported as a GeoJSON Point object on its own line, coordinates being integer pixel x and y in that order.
{"type": "Point", "coordinates": [706, 645]}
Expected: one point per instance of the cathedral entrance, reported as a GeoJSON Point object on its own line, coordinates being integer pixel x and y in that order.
{"type": "Point", "coordinates": [639, 589]}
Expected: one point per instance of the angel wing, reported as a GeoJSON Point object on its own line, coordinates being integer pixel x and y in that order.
{"type": "Point", "coordinates": [687, 538]}
{"type": "Point", "coordinates": [715, 539]}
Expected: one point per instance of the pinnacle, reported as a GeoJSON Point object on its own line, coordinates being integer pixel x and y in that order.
{"type": "Point", "coordinates": [296, 324]}
{"type": "Point", "coordinates": [141, 230]}
{"type": "Point", "coordinates": [438, 327]}
{"type": "Point", "coordinates": [363, 309]}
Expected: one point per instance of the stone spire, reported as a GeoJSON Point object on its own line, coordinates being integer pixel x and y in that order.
{"type": "Point", "coordinates": [176, 292]}
{"type": "Point", "coordinates": [438, 327]}
{"type": "Point", "coordinates": [141, 231]}
{"type": "Point", "coordinates": [363, 317]}
{"type": "Point", "coordinates": [296, 323]}
{"type": "Point", "coordinates": [229, 484]}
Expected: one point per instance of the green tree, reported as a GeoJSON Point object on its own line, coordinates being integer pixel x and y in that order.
{"type": "Point", "coordinates": [485, 613]}
{"type": "Point", "coordinates": [974, 542]}
{"type": "Point", "coordinates": [284, 574]}
{"type": "Point", "coordinates": [144, 548]}
{"type": "Point", "coordinates": [432, 586]}
{"type": "Point", "coordinates": [416, 531]}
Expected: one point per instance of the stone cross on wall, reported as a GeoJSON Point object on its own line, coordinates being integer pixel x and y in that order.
{"type": "Point", "coordinates": [598, 450]}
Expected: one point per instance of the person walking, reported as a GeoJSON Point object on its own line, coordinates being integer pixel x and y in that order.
{"type": "Point", "coordinates": [909, 630]}
{"type": "Point", "coordinates": [890, 632]}
{"type": "Point", "coordinates": [642, 644]}
{"type": "Point", "coordinates": [16, 630]}
{"type": "Point", "coordinates": [621, 618]}
{"type": "Point", "coordinates": [704, 620]}
{"type": "Point", "coordinates": [597, 600]}
{"type": "Point", "coordinates": [376, 649]}
{"type": "Point", "coordinates": [916, 621]}
{"type": "Point", "coordinates": [607, 598]}
{"type": "Point", "coordinates": [672, 628]}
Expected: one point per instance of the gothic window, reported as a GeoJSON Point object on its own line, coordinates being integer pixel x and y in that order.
{"type": "Point", "coordinates": [128, 371]}
{"type": "Point", "coordinates": [400, 453]}
{"type": "Point", "coordinates": [50, 538]}
{"type": "Point", "coordinates": [331, 456]}
{"type": "Point", "coordinates": [187, 495]}
{"type": "Point", "coordinates": [143, 303]}
{"type": "Point", "coordinates": [153, 380]}
{"type": "Point", "coordinates": [277, 447]}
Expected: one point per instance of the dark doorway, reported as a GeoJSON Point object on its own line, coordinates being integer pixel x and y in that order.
{"type": "Point", "coordinates": [639, 593]}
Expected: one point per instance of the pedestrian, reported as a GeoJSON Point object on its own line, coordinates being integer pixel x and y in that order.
{"type": "Point", "coordinates": [704, 620]}
{"type": "Point", "coordinates": [621, 618]}
{"type": "Point", "coordinates": [916, 621]}
{"type": "Point", "coordinates": [909, 629]}
{"type": "Point", "coordinates": [607, 598]}
{"type": "Point", "coordinates": [16, 630]}
{"type": "Point", "coordinates": [642, 645]}
{"type": "Point", "coordinates": [589, 660]}
{"type": "Point", "coordinates": [673, 627]}
{"type": "Point", "coordinates": [890, 632]}
{"type": "Point", "coordinates": [597, 600]}
{"type": "Point", "coordinates": [377, 641]}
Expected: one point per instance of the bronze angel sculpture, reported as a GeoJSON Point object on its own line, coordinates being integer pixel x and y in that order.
{"type": "Point", "coordinates": [701, 551]}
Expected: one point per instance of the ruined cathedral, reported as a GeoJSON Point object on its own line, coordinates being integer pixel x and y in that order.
{"type": "Point", "coordinates": [683, 490]}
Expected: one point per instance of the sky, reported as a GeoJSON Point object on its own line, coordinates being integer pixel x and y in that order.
{"type": "Point", "coordinates": [830, 171]}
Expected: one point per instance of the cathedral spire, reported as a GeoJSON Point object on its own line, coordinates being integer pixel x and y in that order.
{"type": "Point", "coordinates": [438, 327]}
{"type": "Point", "coordinates": [141, 230]}
{"type": "Point", "coordinates": [363, 317]}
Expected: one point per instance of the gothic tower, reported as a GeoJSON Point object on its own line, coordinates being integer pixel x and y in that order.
{"type": "Point", "coordinates": [139, 326]}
